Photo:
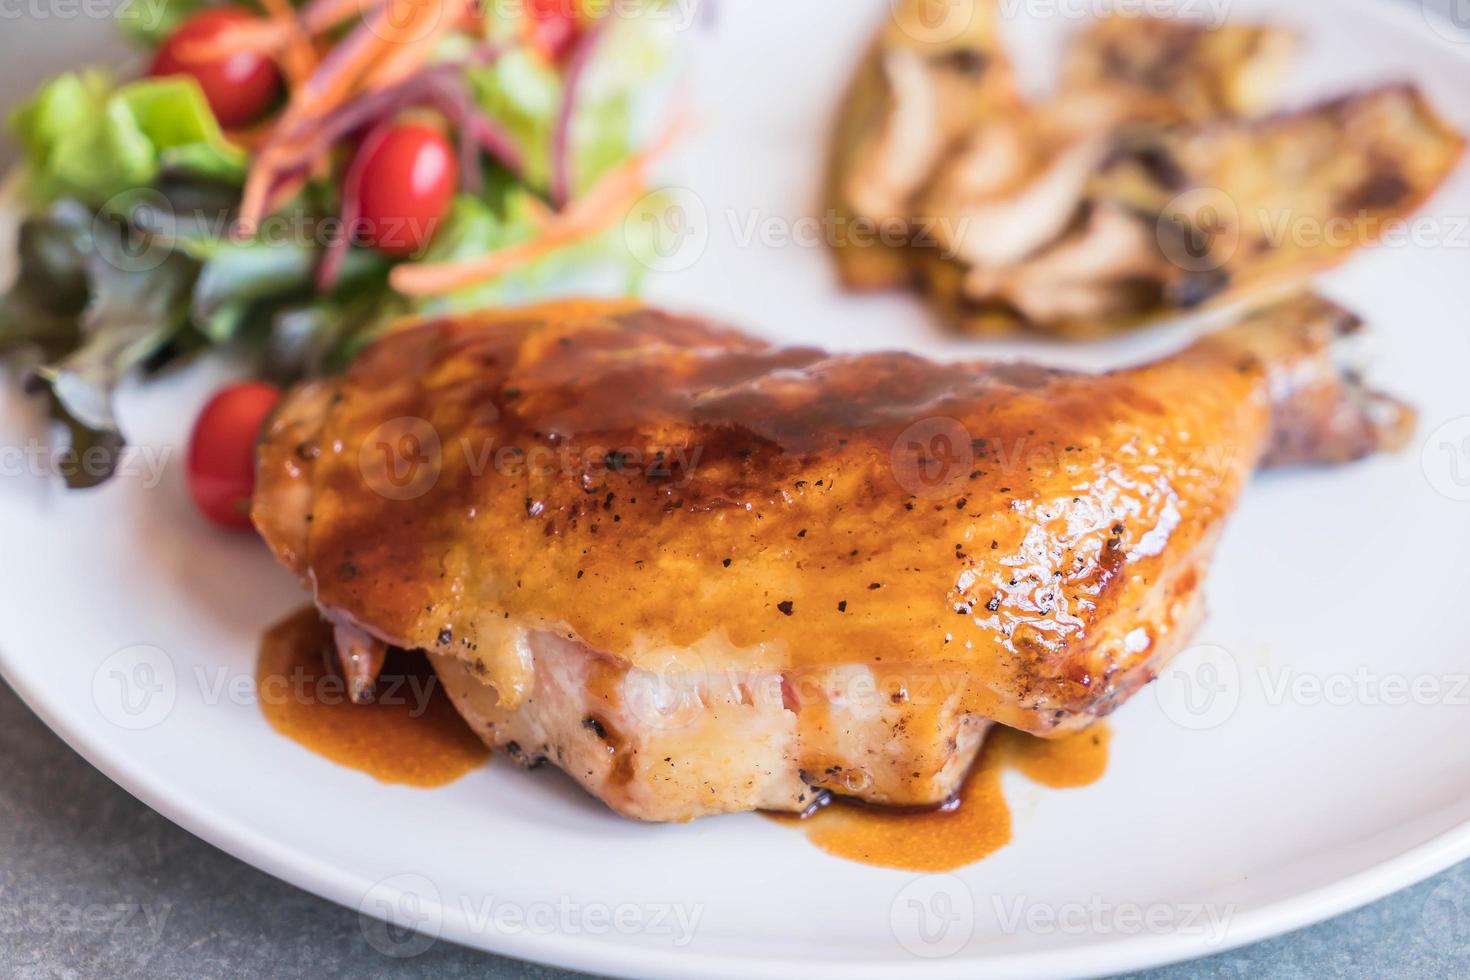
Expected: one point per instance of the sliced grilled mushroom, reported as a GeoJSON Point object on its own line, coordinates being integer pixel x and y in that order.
{"type": "Point", "coordinates": [930, 113]}
{"type": "Point", "coordinates": [921, 89]}
{"type": "Point", "coordinates": [1106, 268]}
{"type": "Point", "coordinates": [1174, 70]}
{"type": "Point", "coordinates": [989, 230]}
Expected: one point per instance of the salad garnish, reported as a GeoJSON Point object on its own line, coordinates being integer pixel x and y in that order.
{"type": "Point", "coordinates": [288, 180]}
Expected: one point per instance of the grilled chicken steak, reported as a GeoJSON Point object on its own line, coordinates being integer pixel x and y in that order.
{"type": "Point", "coordinates": [702, 573]}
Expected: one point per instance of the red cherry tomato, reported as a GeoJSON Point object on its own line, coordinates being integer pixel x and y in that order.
{"type": "Point", "coordinates": [239, 87]}
{"type": "Point", "coordinates": [402, 180]}
{"type": "Point", "coordinates": [220, 469]}
{"type": "Point", "coordinates": [554, 26]}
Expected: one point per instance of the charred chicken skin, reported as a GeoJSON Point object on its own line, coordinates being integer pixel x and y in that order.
{"type": "Point", "coordinates": [702, 573]}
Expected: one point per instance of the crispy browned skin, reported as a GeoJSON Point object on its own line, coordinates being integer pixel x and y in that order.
{"type": "Point", "coordinates": [641, 482]}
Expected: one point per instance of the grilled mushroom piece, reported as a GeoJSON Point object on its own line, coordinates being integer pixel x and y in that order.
{"type": "Point", "coordinates": [1149, 184]}
{"type": "Point", "coordinates": [1175, 70]}
{"type": "Point", "coordinates": [919, 91]}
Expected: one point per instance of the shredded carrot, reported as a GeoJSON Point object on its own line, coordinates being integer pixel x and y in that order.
{"type": "Point", "coordinates": [251, 138]}
{"type": "Point", "coordinates": [325, 16]}
{"type": "Point", "coordinates": [611, 198]}
{"type": "Point", "coordinates": [286, 190]}
{"type": "Point", "coordinates": [428, 280]}
{"type": "Point", "coordinates": [333, 81]}
{"type": "Point", "coordinates": [299, 58]}
{"type": "Point", "coordinates": [411, 55]}
{"type": "Point", "coordinates": [542, 213]}
{"type": "Point", "coordinates": [270, 35]}
{"type": "Point", "coordinates": [273, 157]}
{"type": "Point", "coordinates": [392, 41]}
{"type": "Point", "coordinates": [359, 52]}
{"type": "Point", "coordinates": [259, 36]}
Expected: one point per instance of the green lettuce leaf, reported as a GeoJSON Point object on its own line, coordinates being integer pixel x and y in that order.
{"type": "Point", "coordinates": [133, 304]}
{"type": "Point", "coordinates": [175, 117]}
{"type": "Point", "coordinates": [86, 139]}
{"type": "Point", "coordinates": [607, 264]}
{"type": "Point", "coordinates": [324, 335]}
{"type": "Point", "coordinates": [620, 105]}
{"type": "Point", "coordinates": [624, 95]}
{"type": "Point", "coordinates": [522, 91]}
{"type": "Point", "coordinates": [241, 275]}
{"type": "Point", "coordinates": [46, 300]}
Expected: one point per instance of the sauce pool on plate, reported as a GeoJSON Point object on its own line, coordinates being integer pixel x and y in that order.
{"type": "Point", "coordinates": [975, 825]}
{"type": "Point", "coordinates": [411, 735]}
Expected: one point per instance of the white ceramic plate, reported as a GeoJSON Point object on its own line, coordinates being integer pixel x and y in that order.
{"type": "Point", "coordinates": [1311, 755]}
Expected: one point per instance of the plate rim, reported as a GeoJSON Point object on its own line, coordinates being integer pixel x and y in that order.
{"type": "Point", "coordinates": [576, 952]}
{"type": "Point", "coordinates": [325, 880]}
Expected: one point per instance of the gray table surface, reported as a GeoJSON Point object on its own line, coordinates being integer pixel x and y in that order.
{"type": "Point", "coordinates": [94, 884]}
